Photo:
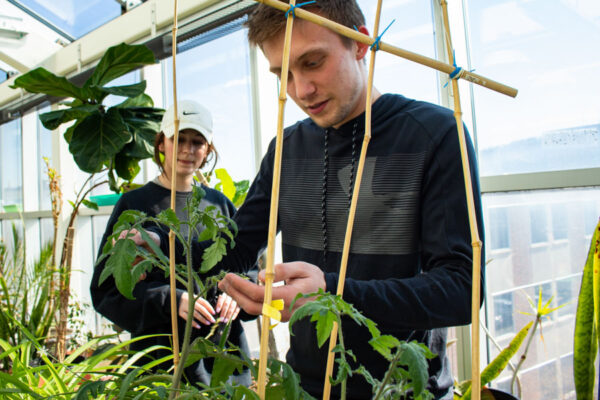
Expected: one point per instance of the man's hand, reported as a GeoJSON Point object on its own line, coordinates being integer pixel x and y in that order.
{"type": "Point", "coordinates": [135, 235]}
{"type": "Point", "coordinates": [299, 277]}
{"type": "Point", "coordinates": [226, 307]}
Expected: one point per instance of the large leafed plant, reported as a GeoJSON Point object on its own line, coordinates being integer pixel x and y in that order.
{"type": "Point", "coordinates": [115, 138]}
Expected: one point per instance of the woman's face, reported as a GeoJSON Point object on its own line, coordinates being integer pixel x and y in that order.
{"type": "Point", "coordinates": [191, 152]}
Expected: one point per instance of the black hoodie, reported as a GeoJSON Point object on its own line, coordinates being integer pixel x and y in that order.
{"type": "Point", "coordinates": [410, 264]}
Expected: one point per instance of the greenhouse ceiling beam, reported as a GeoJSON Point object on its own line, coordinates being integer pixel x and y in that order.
{"type": "Point", "coordinates": [149, 23]}
{"type": "Point", "coordinates": [15, 64]}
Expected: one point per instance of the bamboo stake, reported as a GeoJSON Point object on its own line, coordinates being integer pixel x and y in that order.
{"type": "Point", "coordinates": [172, 282]}
{"type": "Point", "coordinates": [201, 177]}
{"type": "Point", "coordinates": [415, 57]}
{"type": "Point", "coordinates": [475, 240]}
{"type": "Point", "coordinates": [269, 273]}
{"type": "Point", "coordinates": [353, 205]}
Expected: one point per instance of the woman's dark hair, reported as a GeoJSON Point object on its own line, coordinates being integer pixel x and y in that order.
{"type": "Point", "coordinates": [211, 154]}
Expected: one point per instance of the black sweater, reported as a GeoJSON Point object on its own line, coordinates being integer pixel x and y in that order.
{"type": "Point", "coordinates": [410, 264]}
{"type": "Point", "coordinates": [150, 312]}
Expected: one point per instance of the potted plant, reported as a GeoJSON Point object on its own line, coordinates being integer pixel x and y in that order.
{"type": "Point", "coordinates": [112, 139]}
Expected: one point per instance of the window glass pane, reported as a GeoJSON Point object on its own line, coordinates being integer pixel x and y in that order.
{"type": "Point", "coordinates": [46, 230]}
{"type": "Point", "coordinates": [498, 228]}
{"type": "Point", "coordinates": [553, 124]}
{"type": "Point", "coordinates": [216, 74]}
{"type": "Point", "coordinates": [10, 164]}
{"type": "Point", "coordinates": [525, 266]}
{"type": "Point", "coordinates": [412, 30]}
{"type": "Point", "coordinates": [567, 289]}
{"type": "Point", "coordinates": [559, 221]}
{"type": "Point", "coordinates": [503, 313]}
{"type": "Point", "coordinates": [98, 227]}
{"type": "Point", "coordinates": [75, 17]}
{"type": "Point", "coordinates": [539, 225]}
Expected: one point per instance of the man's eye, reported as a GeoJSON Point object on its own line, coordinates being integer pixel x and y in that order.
{"type": "Point", "coordinates": [314, 63]}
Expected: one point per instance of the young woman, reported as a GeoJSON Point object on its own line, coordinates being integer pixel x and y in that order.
{"type": "Point", "coordinates": [150, 312]}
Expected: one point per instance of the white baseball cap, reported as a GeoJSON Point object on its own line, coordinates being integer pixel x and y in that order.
{"type": "Point", "coordinates": [192, 115]}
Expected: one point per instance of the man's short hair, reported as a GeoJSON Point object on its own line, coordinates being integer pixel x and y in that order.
{"type": "Point", "coordinates": [266, 22]}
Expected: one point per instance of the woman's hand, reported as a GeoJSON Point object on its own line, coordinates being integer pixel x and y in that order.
{"type": "Point", "coordinates": [227, 307]}
{"type": "Point", "coordinates": [203, 311]}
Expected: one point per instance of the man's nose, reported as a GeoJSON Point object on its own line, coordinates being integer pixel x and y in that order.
{"type": "Point", "coordinates": [303, 86]}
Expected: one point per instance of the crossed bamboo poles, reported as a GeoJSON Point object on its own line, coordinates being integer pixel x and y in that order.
{"type": "Point", "coordinates": [455, 74]}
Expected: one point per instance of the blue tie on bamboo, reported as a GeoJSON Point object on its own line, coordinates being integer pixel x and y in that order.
{"type": "Point", "coordinates": [293, 7]}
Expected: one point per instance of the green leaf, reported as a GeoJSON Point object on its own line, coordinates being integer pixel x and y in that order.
{"type": "Point", "coordinates": [24, 387]}
{"type": "Point", "coordinates": [120, 263]}
{"type": "Point", "coordinates": [493, 369]}
{"type": "Point", "coordinates": [69, 132]}
{"type": "Point", "coordinates": [384, 344]}
{"type": "Point", "coordinates": [132, 91]}
{"type": "Point", "coordinates": [119, 60]}
{"type": "Point", "coordinates": [241, 190]}
{"type": "Point", "coordinates": [291, 382]}
{"type": "Point", "coordinates": [154, 247]}
{"type": "Point", "coordinates": [90, 390]}
{"type": "Point", "coordinates": [169, 218]}
{"type": "Point", "coordinates": [222, 370]}
{"type": "Point", "coordinates": [53, 119]}
{"type": "Point", "coordinates": [143, 132]}
{"type": "Point", "coordinates": [90, 204]}
{"type": "Point", "coordinates": [143, 100]}
{"type": "Point", "coordinates": [97, 139]}
{"type": "Point", "coordinates": [324, 326]}
{"type": "Point", "coordinates": [243, 393]}
{"type": "Point", "coordinates": [227, 185]}
{"type": "Point", "coordinates": [41, 80]}
{"type": "Point", "coordinates": [308, 308]}
{"type": "Point", "coordinates": [414, 356]}
{"type": "Point", "coordinates": [585, 343]}
{"type": "Point", "coordinates": [213, 254]}
{"type": "Point", "coordinates": [127, 167]}
{"type": "Point", "coordinates": [126, 383]}
{"type": "Point", "coordinates": [206, 234]}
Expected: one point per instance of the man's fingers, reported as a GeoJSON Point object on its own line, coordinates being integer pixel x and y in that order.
{"type": "Point", "coordinates": [248, 295]}
{"type": "Point", "coordinates": [291, 270]}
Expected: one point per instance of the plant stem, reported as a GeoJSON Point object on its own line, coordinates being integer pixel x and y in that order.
{"type": "Point", "coordinates": [343, 357]}
{"type": "Point", "coordinates": [188, 322]}
{"type": "Point", "coordinates": [538, 320]}
{"type": "Point", "coordinates": [388, 374]}
{"type": "Point", "coordinates": [65, 268]}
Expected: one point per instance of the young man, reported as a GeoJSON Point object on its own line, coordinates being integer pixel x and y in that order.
{"type": "Point", "coordinates": [410, 263]}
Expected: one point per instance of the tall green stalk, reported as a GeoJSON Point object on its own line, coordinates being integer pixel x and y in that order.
{"type": "Point", "coordinates": [587, 334]}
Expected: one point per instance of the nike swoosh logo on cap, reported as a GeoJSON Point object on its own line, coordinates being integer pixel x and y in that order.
{"type": "Point", "coordinates": [189, 113]}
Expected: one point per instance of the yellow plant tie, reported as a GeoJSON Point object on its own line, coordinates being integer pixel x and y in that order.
{"type": "Point", "coordinates": [273, 311]}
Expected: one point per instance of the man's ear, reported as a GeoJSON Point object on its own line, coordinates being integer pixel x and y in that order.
{"type": "Point", "coordinates": [161, 146]}
{"type": "Point", "coordinates": [361, 48]}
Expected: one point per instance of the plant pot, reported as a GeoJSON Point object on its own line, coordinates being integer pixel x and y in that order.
{"type": "Point", "coordinates": [105, 199]}
{"type": "Point", "coordinates": [495, 394]}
